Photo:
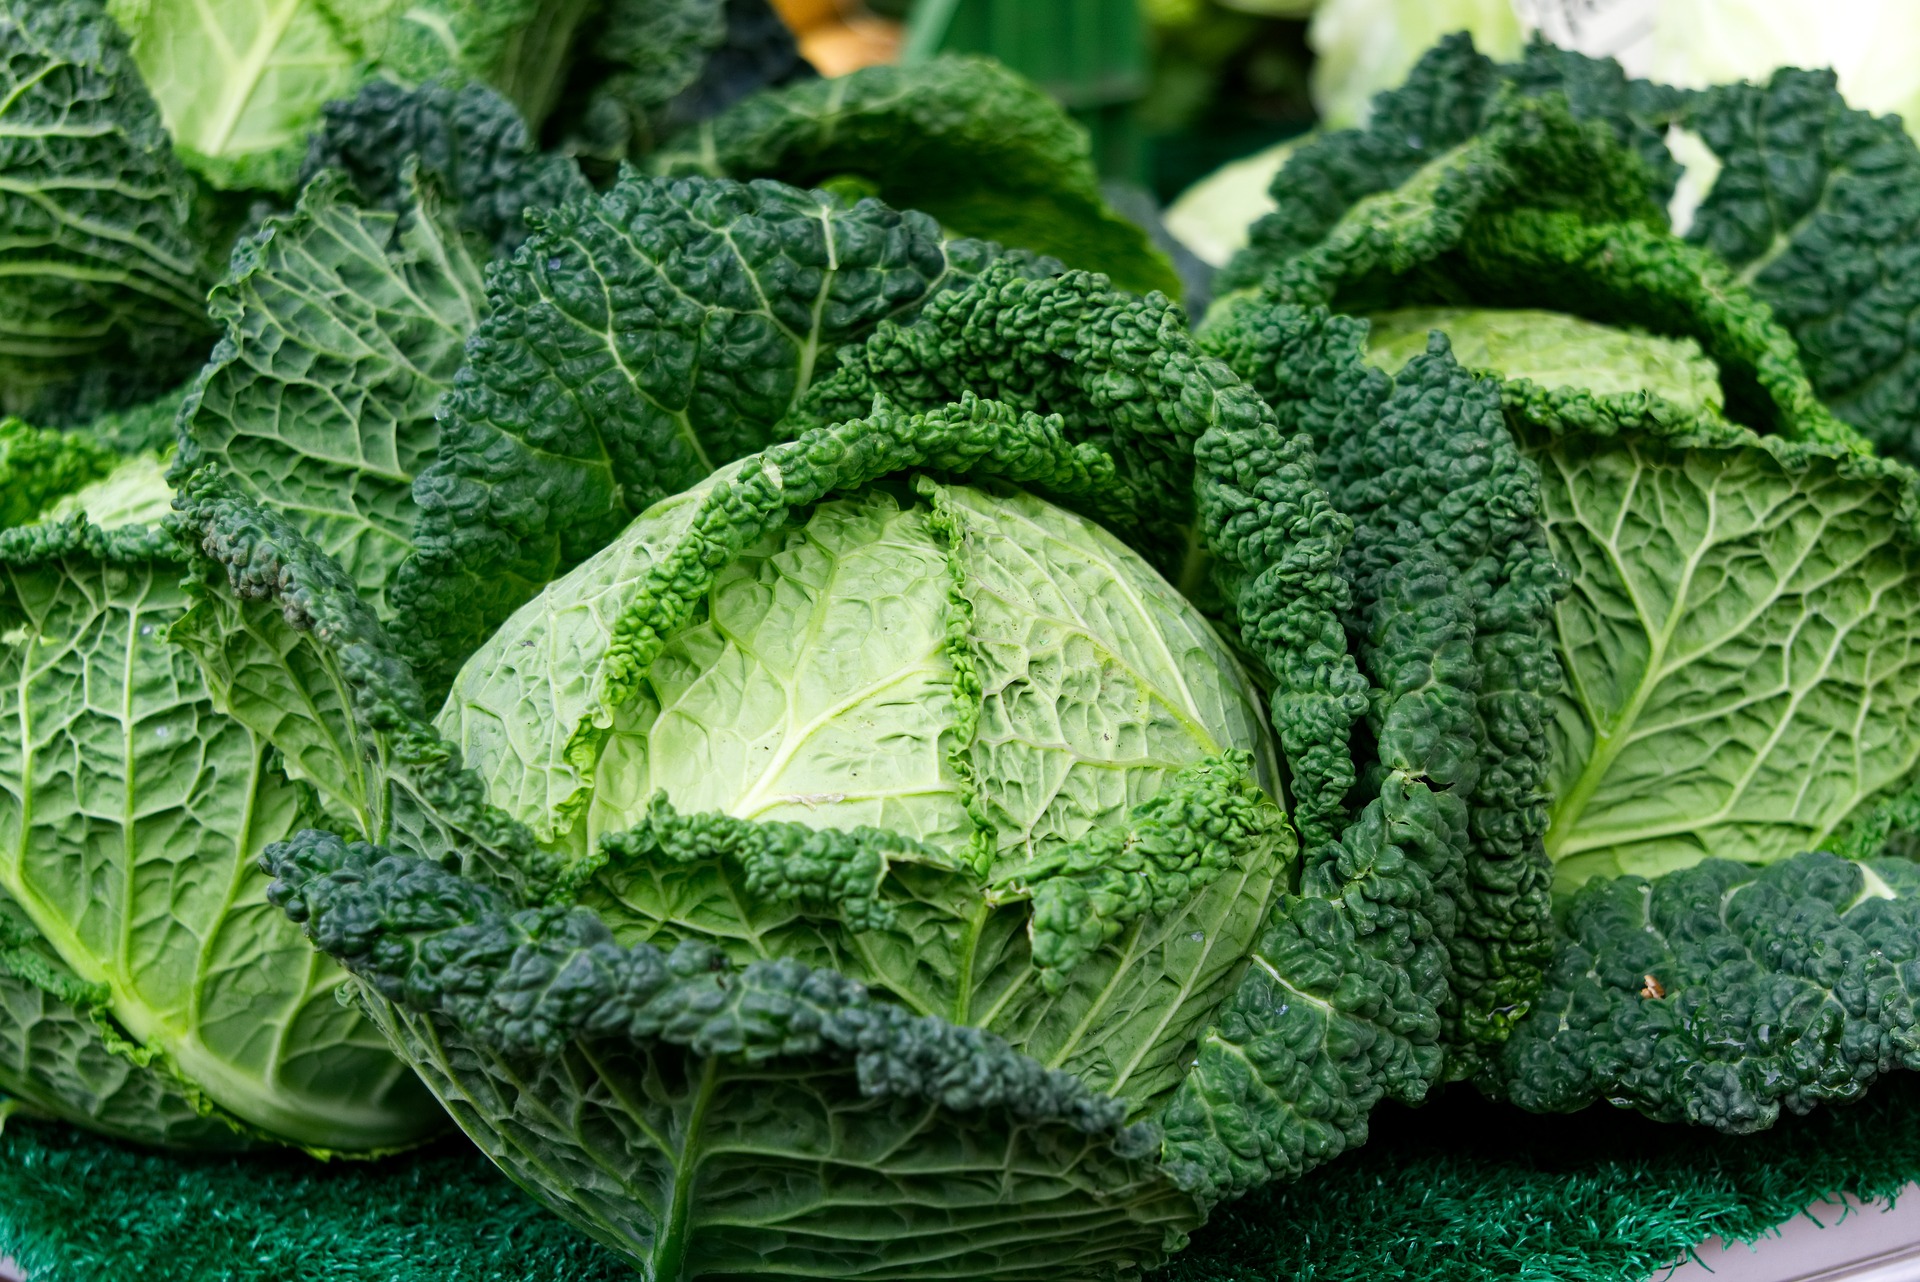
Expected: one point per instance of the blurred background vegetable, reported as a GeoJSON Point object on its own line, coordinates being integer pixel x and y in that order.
{"type": "Point", "coordinates": [1219, 123]}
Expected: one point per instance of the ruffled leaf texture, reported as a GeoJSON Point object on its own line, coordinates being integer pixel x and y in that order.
{"type": "Point", "coordinates": [1723, 993]}
{"type": "Point", "coordinates": [804, 1105]}
{"type": "Point", "coordinates": [1812, 205]}
{"type": "Point", "coordinates": [634, 343]}
{"type": "Point", "coordinates": [1428, 614]}
{"type": "Point", "coordinates": [468, 142]}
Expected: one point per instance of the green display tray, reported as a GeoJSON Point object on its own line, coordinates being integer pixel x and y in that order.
{"type": "Point", "coordinates": [1460, 1191]}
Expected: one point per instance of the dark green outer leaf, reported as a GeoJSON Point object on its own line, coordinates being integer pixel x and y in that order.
{"type": "Point", "coordinates": [1445, 101]}
{"type": "Point", "coordinates": [708, 1121]}
{"type": "Point", "coordinates": [1455, 590]}
{"type": "Point", "coordinates": [1445, 592]}
{"type": "Point", "coordinates": [1720, 993]}
{"type": "Point", "coordinates": [963, 139]}
{"type": "Point", "coordinates": [1635, 112]}
{"type": "Point", "coordinates": [1817, 208]}
{"type": "Point", "coordinates": [632, 345]}
{"type": "Point", "coordinates": [1439, 107]}
{"type": "Point", "coordinates": [1278, 541]}
{"type": "Point", "coordinates": [95, 213]}
{"type": "Point", "coordinates": [1343, 1002]}
{"type": "Point", "coordinates": [1120, 372]}
{"type": "Point", "coordinates": [470, 141]}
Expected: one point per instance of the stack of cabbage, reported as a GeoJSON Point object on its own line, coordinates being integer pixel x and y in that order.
{"type": "Point", "coordinates": [149, 989]}
{"type": "Point", "coordinates": [839, 750]}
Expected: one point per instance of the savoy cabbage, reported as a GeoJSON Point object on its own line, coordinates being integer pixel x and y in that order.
{"type": "Point", "coordinates": [923, 799]}
{"type": "Point", "coordinates": [835, 748]}
{"type": "Point", "coordinates": [1738, 681]}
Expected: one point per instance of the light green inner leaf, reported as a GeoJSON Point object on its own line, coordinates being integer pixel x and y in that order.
{"type": "Point", "coordinates": [239, 82]}
{"type": "Point", "coordinates": [135, 493]}
{"type": "Point", "coordinates": [1097, 679]}
{"type": "Point", "coordinates": [1553, 350]}
{"type": "Point", "coordinates": [132, 814]}
{"type": "Point", "coordinates": [523, 697]}
{"type": "Point", "coordinates": [978, 671]}
{"type": "Point", "coordinates": [818, 689]}
{"type": "Point", "coordinates": [1738, 647]}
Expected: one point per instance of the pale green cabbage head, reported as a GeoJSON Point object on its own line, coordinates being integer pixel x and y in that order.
{"type": "Point", "coordinates": [993, 701]}
{"type": "Point", "coordinates": [1212, 217]}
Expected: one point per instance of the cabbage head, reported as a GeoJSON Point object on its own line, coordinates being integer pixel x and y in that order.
{"type": "Point", "coordinates": [1735, 721]}
{"type": "Point", "coordinates": [860, 859]}
{"type": "Point", "coordinates": [1739, 630]}
{"type": "Point", "coordinates": [944, 740]}
{"type": "Point", "coordinates": [901, 840]}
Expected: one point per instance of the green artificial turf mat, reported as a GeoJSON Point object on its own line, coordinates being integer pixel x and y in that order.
{"type": "Point", "coordinates": [1467, 1191]}
{"type": "Point", "coordinates": [75, 1208]}
{"type": "Point", "coordinates": [1461, 1191]}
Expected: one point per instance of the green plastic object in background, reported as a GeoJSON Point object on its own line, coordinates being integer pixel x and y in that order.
{"type": "Point", "coordinates": [1089, 54]}
{"type": "Point", "coordinates": [1465, 1192]}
